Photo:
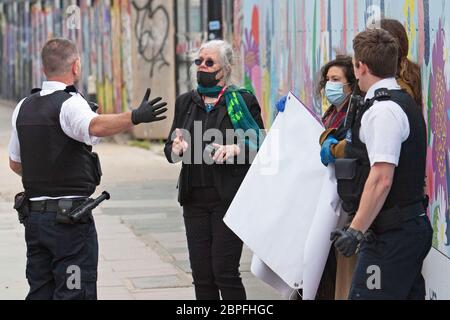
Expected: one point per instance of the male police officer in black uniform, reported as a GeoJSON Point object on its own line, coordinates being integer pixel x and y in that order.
{"type": "Point", "coordinates": [381, 181]}
{"type": "Point", "coordinates": [51, 148]}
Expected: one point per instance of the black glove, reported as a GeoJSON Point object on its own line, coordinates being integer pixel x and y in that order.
{"type": "Point", "coordinates": [148, 111]}
{"type": "Point", "coordinates": [347, 241]}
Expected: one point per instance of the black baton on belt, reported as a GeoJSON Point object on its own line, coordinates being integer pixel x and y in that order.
{"type": "Point", "coordinates": [88, 206]}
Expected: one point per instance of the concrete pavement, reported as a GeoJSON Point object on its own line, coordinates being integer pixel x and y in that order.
{"type": "Point", "coordinates": [142, 244]}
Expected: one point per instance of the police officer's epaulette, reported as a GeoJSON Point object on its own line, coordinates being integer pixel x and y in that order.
{"type": "Point", "coordinates": [382, 94]}
{"type": "Point", "coordinates": [35, 90]}
{"type": "Point", "coordinates": [71, 89]}
{"type": "Point", "coordinates": [93, 105]}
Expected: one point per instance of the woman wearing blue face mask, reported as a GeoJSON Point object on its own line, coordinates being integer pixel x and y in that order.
{"type": "Point", "coordinates": [337, 83]}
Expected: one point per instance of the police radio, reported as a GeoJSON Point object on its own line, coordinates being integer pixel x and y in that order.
{"type": "Point", "coordinates": [355, 104]}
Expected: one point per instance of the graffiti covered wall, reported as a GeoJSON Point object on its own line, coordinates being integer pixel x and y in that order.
{"type": "Point", "coordinates": [25, 26]}
{"type": "Point", "coordinates": [153, 53]}
{"type": "Point", "coordinates": [284, 43]}
{"type": "Point", "coordinates": [122, 51]}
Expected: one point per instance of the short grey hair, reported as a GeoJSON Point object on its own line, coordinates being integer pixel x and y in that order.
{"type": "Point", "coordinates": [226, 58]}
{"type": "Point", "coordinates": [58, 55]}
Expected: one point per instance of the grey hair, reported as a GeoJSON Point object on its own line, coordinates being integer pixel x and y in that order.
{"type": "Point", "coordinates": [58, 55]}
{"type": "Point", "coordinates": [226, 59]}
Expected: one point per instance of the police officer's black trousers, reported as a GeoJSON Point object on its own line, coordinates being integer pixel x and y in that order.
{"type": "Point", "coordinates": [390, 267]}
{"type": "Point", "coordinates": [214, 250]}
{"type": "Point", "coordinates": [62, 259]}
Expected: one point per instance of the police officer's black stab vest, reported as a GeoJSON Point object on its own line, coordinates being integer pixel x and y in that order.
{"type": "Point", "coordinates": [53, 164]}
{"type": "Point", "coordinates": [409, 176]}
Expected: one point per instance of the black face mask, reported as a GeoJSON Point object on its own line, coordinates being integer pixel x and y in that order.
{"type": "Point", "coordinates": [208, 79]}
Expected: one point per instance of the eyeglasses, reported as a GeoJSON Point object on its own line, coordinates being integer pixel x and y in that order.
{"type": "Point", "coordinates": [209, 63]}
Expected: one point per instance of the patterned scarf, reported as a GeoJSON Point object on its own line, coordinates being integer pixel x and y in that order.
{"type": "Point", "coordinates": [243, 122]}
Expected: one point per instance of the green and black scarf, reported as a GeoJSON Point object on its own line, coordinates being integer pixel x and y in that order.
{"type": "Point", "coordinates": [243, 122]}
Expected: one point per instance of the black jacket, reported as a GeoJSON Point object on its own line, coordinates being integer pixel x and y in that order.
{"type": "Point", "coordinates": [227, 178]}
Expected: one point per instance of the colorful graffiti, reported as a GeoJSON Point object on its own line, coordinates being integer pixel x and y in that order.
{"type": "Point", "coordinates": [285, 42]}
{"type": "Point", "coordinates": [102, 30]}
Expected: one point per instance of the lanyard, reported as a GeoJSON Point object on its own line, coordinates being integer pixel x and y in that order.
{"type": "Point", "coordinates": [219, 96]}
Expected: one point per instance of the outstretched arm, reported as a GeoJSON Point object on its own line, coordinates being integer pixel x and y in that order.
{"type": "Point", "coordinates": [110, 124]}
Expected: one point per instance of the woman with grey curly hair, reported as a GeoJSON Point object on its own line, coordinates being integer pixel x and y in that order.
{"type": "Point", "coordinates": [206, 187]}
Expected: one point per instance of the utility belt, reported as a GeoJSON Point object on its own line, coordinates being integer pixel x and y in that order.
{"type": "Point", "coordinates": [392, 218]}
{"type": "Point", "coordinates": [62, 208]}
{"type": "Point", "coordinates": [51, 206]}
{"type": "Point", "coordinates": [68, 211]}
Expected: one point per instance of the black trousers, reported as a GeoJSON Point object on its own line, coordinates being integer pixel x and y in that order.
{"type": "Point", "coordinates": [390, 266]}
{"type": "Point", "coordinates": [62, 259]}
{"type": "Point", "coordinates": [214, 250]}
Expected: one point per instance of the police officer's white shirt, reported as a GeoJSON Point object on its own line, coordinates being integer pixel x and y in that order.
{"type": "Point", "coordinates": [384, 127]}
{"type": "Point", "coordinates": [75, 118]}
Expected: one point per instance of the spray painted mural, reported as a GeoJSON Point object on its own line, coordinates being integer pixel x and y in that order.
{"type": "Point", "coordinates": [124, 44]}
{"type": "Point", "coordinates": [283, 44]}
{"type": "Point", "coordinates": [101, 29]}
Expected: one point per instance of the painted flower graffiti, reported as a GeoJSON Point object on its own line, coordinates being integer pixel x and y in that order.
{"type": "Point", "coordinates": [251, 50]}
{"type": "Point", "coordinates": [440, 100]}
{"type": "Point", "coordinates": [252, 68]}
{"type": "Point", "coordinates": [439, 117]}
{"type": "Point", "coordinates": [252, 54]}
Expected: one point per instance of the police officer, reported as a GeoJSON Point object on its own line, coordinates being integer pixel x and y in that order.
{"type": "Point", "coordinates": [54, 130]}
{"type": "Point", "coordinates": [381, 181]}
